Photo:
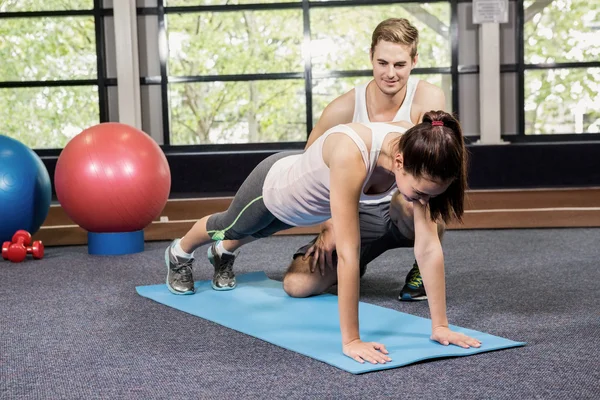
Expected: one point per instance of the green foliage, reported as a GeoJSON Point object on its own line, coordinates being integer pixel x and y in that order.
{"type": "Point", "coordinates": [563, 31]}
{"type": "Point", "coordinates": [46, 49]}
{"type": "Point", "coordinates": [256, 111]}
{"type": "Point", "coordinates": [272, 41]}
{"type": "Point", "coordinates": [48, 117]}
{"type": "Point", "coordinates": [247, 42]}
{"type": "Point", "coordinates": [341, 37]}
{"type": "Point", "coordinates": [39, 49]}
{"type": "Point", "coordinates": [554, 99]}
{"type": "Point", "coordinates": [256, 42]}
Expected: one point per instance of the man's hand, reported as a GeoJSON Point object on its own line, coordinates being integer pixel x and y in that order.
{"type": "Point", "coordinates": [445, 336]}
{"type": "Point", "coordinates": [322, 250]}
{"type": "Point", "coordinates": [360, 351]}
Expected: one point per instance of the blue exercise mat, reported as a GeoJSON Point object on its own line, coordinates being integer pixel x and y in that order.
{"type": "Point", "coordinates": [259, 307]}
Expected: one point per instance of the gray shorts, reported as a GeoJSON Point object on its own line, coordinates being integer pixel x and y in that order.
{"type": "Point", "coordinates": [378, 234]}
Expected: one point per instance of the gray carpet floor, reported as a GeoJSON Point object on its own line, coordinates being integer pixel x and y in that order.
{"type": "Point", "coordinates": [73, 327]}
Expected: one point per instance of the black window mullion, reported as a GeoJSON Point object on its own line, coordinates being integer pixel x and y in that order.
{"type": "Point", "coordinates": [101, 60]}
{"type": "Point", "coordinates": [163, 55]}
{"type": "Point", "coordinates": [50, 14]}
{"type": "Point", "coordinates": [454, 57]}
{"type": "Point", "coordinates": [307, 67]}
{"type": "Point", "coordinates": [520, 34]}
{"type": "Point", "coordinates": [563, 65]}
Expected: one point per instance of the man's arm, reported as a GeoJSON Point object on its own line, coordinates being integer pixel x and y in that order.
{"type": "Point", "coordinates": [428, 98]}
{"type": "Point", "coordinates": [339, 111]}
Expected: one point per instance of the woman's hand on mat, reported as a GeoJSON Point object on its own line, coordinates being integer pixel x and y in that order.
{"type": "Point", "coordinates": [445, 336]}
{"type": "Point", "coordinates": [322, 250]}
{"type": "Point", "coordinates": [360, 351]}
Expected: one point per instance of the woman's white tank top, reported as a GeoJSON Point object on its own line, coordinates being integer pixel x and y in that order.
{"type": "Point", "coordinates": [296, 188]}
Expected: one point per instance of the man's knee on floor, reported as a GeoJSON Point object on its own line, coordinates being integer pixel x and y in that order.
{"type": "Point", "coordinates": [296, 285]}
{"type": "Point", "coordinates": [298, 280]}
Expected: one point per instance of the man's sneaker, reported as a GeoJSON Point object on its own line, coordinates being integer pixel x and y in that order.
{"type": "Point", "coordinates": [180, 279]}
{"type": "Point", "coordinates": [413, 289]}
{"type": "Point", "coordinates": [224, 278]}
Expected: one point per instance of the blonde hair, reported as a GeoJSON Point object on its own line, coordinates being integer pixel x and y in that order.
{"type": "Point", "coordinates": [396, 30]}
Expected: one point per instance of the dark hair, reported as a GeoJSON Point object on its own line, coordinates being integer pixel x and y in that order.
{"type": "Point", "coordinates": [438, 151]}
{"type": "Point", "coordinates": [396, 30]}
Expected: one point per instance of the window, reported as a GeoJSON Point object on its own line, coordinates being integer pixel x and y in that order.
{"type": "Point", "coordinates": [262, 71]}
{"type": "Point", "coordinates": [562, 100]}
{"type": "Point", "coordinates": [243, 54]}
{"type": "Point", "coordinates": [48, 75]}
{"type": "Point", "coordinates": [562, 72]}
{"type": "Point", "coordinates": [240, 73]}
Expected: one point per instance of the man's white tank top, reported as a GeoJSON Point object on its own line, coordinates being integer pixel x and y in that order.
{"type": "Point", "coordinates": [361, 114]}
{"type": "Point", "coordinates": [360, 102]}
{"type": "Point", "coordinates": [296, 188]}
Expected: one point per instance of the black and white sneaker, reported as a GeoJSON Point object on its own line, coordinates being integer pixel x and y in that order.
{"type": "Point", "coordinates": [223, 278]}
{"type": "Point", "coordinates": [180, 279]}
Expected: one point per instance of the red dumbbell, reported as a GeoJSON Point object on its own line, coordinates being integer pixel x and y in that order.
{"type": "Point", "coordinates": [19, 248]}
{"type": "Point", "coordinates": [5, 247]}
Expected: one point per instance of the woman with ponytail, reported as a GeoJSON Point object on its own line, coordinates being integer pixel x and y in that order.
{"type": "Point", "coordinates": [425, 164]}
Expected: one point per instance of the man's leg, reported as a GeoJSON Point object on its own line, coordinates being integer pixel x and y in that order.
{"type": "Point", "coordinates": [392, 239]}
{"type": "Point", "coordinates": [299, 281]}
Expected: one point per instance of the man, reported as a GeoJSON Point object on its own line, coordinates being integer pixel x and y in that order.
{"type": "Point", "coordinates": [392, 95]}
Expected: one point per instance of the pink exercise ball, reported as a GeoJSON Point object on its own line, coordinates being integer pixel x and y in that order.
{"type": "Point", "coordinates": [112, 178]}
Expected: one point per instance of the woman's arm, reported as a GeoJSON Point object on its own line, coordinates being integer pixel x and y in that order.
{"type": "Point", "coordinates": [430, 258]}
{"type": "Point", "coordinates": [347, 175]}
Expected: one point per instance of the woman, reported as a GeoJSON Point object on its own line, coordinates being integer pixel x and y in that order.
{"type": "Point", "coordinates": [348, 163]}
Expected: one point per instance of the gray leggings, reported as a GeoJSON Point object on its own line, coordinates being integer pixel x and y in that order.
{"type": "Point", "coordinates": [247, 214]}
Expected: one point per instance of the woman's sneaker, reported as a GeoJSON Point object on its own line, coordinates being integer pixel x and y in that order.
{"type": "Point", "coordinates": [413, 289]}
{"type": "Point", "coordinates": [223, 278]}
{"type": "Point", "coordinates": [180, 279]}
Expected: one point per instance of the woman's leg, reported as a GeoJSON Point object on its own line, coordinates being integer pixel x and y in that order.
{"type": "Point", "coordinates": [198, 236]}
{"type": "Point", "coordinates": [246, 218]}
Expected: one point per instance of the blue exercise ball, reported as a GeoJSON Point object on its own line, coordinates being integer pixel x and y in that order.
{"type": "Point", "coordinates": [25, 189]}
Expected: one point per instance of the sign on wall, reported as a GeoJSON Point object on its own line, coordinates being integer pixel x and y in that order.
{"type": "Point", "coordinates": [490, 11]}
